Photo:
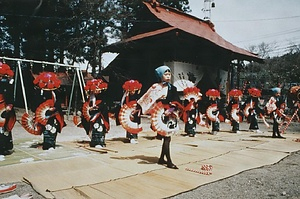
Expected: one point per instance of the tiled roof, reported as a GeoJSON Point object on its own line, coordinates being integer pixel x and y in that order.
{"type": "Point", "coordinates": [180, 21]}
{"type": "Point", "coordinates": [193, 25]}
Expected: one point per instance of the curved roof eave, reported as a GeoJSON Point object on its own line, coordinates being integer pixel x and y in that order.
{"type": "Point", "coordinates": [195, 26]}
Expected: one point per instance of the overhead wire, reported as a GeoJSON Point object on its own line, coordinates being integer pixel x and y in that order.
{"type": "Point", "coordinates": [267, 19]}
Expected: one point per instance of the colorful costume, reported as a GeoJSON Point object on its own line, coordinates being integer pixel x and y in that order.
{"type": "Point", "coordinates": [49, 119]}
{"type": "Point", "coordinates": [191, 115]}
{"type": "Point", "coordinates": [293, 103]}
{"type": "Point", "coordinates": [162, 102]}
{"type": "Point", "coordinates": [130, 112]}
{"type": "Point", "coordinates": [276, 107]}
{"type": "Point", "coordinates": [294, 96]}
{"type": "Point", "coordinates": [233, 109]}
{"type": "Point", "coordinates": [94, 117]}
{"type": "Point", "coordinates": [213, 110]}
{"type": "Point", "coordinates": [252, 110]}
{"type": "Point", "coordinates": [7, 112]}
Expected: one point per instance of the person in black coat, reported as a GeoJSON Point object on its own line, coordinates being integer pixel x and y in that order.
{"type": "Point", "coordinates": [131, 94]}
{"type": "Point", "coordinates": [234, 109]}
{"type": "Point", "coordinates": [7, 112]}
{"type": "Point", "coordinates": [52, 122]}
{"type": "Point", "coordinates": [95, 112]}
{"type": "Point", "coordinates": [252, 110]}
{"type": "Point", "coordinates": [191, 114]}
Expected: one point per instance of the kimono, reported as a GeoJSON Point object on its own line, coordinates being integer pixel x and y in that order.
{"type": "Point", "coordinates": [7, 116]}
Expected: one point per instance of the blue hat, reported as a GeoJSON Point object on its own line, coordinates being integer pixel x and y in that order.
{"type": "Point", "coordinates": [276, 90]}
{"type": "Point", "coordinates": [161, 70]}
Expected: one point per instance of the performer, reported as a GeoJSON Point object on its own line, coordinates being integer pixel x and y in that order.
{"type": "Point", "coordinates": [233, 109]}
{"type": "Point", "coordinates": [293, 103]}
{"type": "Point", "coordinates": [252, 109]}
{"type": "Point", "coordinates": [130, 113]}
{"type": "Point", "coordinates": [213, 110]}
{"type": "Point", "coordinates": [49, 119]}
{"type": "Point", "coordinates": [294, 97]}
{"type": "Point", "coordinates": [162, 101]}
{"type": "Point", "coordinates": [7, 112]}
{"type": "Point", "coordinates": [94, 117]}
{"type": "Point", "coordinates": [275, 107]}
{"type": "Point", "coordinates": [191, 115]}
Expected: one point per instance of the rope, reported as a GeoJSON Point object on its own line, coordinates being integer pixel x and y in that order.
{"type": "Point", "coordinates": [206, 169]}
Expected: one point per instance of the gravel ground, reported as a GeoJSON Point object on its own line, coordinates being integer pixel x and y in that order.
{"type": "Point", "coordinates": [278, 181]}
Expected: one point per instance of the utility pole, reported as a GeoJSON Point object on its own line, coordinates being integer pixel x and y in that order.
{"type": "Point", "coordinates": [208, 5]}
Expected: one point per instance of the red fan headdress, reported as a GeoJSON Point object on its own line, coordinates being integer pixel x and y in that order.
{"type": "Point", "coordinates": [254, 92]}
{"type": "Point", "coordinates": [6, 71]}
{"type": "Point", "coordinates": [212, 93]}
{"type": "Point", "coordinates": [95, 85]}
{"type": "Point", "coordinates": [132, 86]}
{"type": "Point", "coordinates": [47, 81]}
{"type": "Point", "coordinates": [235, 93]}
{"type": "Point", "coordinates": [192, 92]}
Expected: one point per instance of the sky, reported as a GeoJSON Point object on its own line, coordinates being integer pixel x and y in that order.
{"type": "Point", "coordinates": [246, 23]}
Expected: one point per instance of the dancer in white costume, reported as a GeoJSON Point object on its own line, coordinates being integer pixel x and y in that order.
{"type": "Point", "coordinates": [162, 102]}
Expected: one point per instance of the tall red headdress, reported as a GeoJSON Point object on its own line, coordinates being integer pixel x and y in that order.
{"type": "Point", "coordinates": [235, 93]}
{"type": "Point", "coordinates": [192, 92]}
{"type": "Point", "coordinates": [47, 81]}
{"type": "Point", "coordinates": [254, 92]}
{"type": "Point", "coordinates": [212, 93]}
{"type": "Point", "coordinates": [95, 85]}
{"type": "Point", "coordinates": [5, 70]}
{"type": "Point", "coordinates": [132, 86]}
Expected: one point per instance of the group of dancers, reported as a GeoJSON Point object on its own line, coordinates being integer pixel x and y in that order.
{"type": "Point", "coordinates": [161, 101]}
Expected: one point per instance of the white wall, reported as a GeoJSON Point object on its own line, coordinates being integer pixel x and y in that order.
{"type": "Point", "coordinates": [180, 71]}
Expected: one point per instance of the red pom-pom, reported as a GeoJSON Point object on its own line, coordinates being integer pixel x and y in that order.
{"type": "Point", "coordinates": [254, 92]}
{"type": "Point", "coordinates": [47, 81]}
{"type": "Point", "coordinates": [212, 93]}
{"type": "Point", "coordinates": [95, 85]}
{"type": "Point", "coordinates": [235, 93]}
{"type": "Point", "coordinates": [132, 85]}
{"type": "Point", "coordinates": [6, 71]}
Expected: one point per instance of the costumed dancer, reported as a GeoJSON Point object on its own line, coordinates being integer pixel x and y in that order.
{"type": "Point", "coordinates": [191, 115]}
{"type": "Point", "coordinates": [293, 103]}
{"type": "Point", "coordinates": [162, 102]}
{"type": "Point", "coordinates": [130, 112]}
{"type": "Point", "coordinates": [276, 107]}
{"type": "Point", "coordinates": [294, 98]}
{"type": "Point", "coordinates": [48, 119]}
{"type": "Point", "coordinates": [252, 110]}
{"type": "Point", "coordinates": [94, 117]}
{"type": "Point", "coordinates": [213, 110]}
{"type": "Point", "coordinates": [7, 112]}
{"type": "Point", "coordinates": [233, 109]}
